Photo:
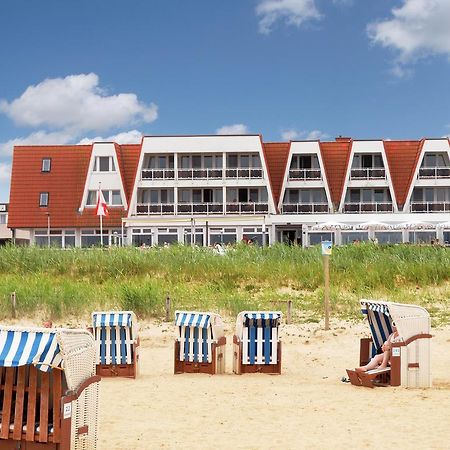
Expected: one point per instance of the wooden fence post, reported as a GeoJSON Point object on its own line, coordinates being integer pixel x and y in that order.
{"type": "Point", "coordinates": [167, 308]}
{"type": "Point", "coordinates": [289, 312]}
{"type": "Point", "coordinates": [13, 304]}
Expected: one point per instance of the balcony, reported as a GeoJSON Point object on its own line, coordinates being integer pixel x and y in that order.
{"type": "Point", "coordinates": [304, 174]}
{"type": "Point", "coordinates": [433, 173]}
{"type": "Point", "coordinates": [304, 208]}
{"type": "Point", "coordinates": [244, 173]}
{"type": "Point", "coordinates": [247, 208]}
{"type": "Point", "coordinates": [371, 173]}
{"type": "Point", "coordinates": [359, 208]}
{"type": "Point", "coordinates": [161, 209]}
{"type": "Point", "coordinates": [429, 207]}
{"type": "Point", "coordinates": [157, 174]}
{"type": "Point", "coordinates": [197, 174]}
{"type": "Point", "coordinates": [200, 208]}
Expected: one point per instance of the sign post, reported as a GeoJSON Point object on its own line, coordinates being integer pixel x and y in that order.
{"type": "Point", "coordinates": [326, 252]}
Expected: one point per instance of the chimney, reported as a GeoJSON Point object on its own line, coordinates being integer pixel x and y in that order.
{"type": "Point", "coordinates": [343, 139]}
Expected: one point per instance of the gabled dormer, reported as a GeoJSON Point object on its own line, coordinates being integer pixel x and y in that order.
{"type": "Point", "coordinates": [368, 185]}
{"type": "Point", "coordinates": [104, 172]}
{"type": "Point", "coordinates": [305, 188]}
{"type": "Point", "coordinates": [429, 190]}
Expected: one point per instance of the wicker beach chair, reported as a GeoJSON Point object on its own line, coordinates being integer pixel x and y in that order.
{"type": "Point", "coordinates": [48, 389]}
{"type": "Point", "coordinates": [117, 343]}
{"type": "Point", "coordinates": [410, 354]}
{"type": "Point", "coordinates": [256, 343]}
{"type": "Point", "coordinates": [200, 343]}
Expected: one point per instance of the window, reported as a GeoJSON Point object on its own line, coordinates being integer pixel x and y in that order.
{"type": "Point", "coordinates": [104, 164]}
{"type": "Point", "coordinates": [43, 199]}
{"type": "Point", "coordinates": [112, 198]}
{"type": "Point", "coordinates": [91, 198]}
{"type": "Point", "coordinates": [46, 164]}
{"type": "Point", "coordinates": [2, 219]}
{"type": "Point", "coordinates": [116, 198]}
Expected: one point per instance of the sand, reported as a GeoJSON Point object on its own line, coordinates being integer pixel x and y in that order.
{"type": "Point", "coordinates": [308, 406]}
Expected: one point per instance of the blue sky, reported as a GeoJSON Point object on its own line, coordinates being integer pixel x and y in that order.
{"type": "Point", "coordinates": [77, 71]}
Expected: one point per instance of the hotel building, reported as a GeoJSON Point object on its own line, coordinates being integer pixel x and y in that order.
{"type": "Point", "coordinates": [209, 189]}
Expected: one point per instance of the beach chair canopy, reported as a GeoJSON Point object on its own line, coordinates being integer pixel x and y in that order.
{"type": "Point", "coordinates": [410, 320]}
{"type": "Point", "coordinates": [202, 320]}
{"type": "Point", "coordinates": [69, 350]}
{"type": "Point", "coordinates": [244, 317]}
{"type": "Point", "coordinates": [113, 319]}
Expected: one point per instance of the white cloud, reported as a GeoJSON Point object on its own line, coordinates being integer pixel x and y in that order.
{"type": "Point", "coordinates": [5, 172]}
{"type": "Point", "coordinates": [36, 138]}
{"type": "Point", "coordinates": [237, 128]}
{"type": "Point", "coordinates": [77, 104]}
{"type": "Point", "coordinates": [416, 29]}
{"type": "Point", "coordinates": [127, 137]}
{"type": "Point", "coordinates": [292, 135]}
{"type": "Point", "coordinates": [292, 12]}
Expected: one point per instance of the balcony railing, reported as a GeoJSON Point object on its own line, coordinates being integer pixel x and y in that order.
{"type": "Point", "coordinates": [304, 174]}
{"type": "Point", "coordinates": [304, 208]}
{"type": "Point", "coordinates": [434, 172]}
{"type": "Point", "coordinates": [161, 209]}
{"type": "Point", "coordinates": [365, 207]}
{"type": "Point", "coordinates": [244, 173]}
{"type": "Point", "coordinates": [195, 174]}
{"type": "Point", "coordinates": [200, 208]}
{"type": "Point", "coordinates": [427, 207]}
{"type": "Point", "coordinates": [247, 208]}
{"type": "Point", "coordinates": [158, 174]}
{"type": "Point", "coordinates": [371, 173]}
{"type": "Point", "coordinates": [148, 209]}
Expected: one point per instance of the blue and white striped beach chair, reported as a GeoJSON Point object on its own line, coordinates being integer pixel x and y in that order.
{"type": "Point", "coordinates": [200, 343]}
{"type": "Point", "coordinates": [256, 344]}
{"type": "Point", "coordinates": [48, 389]}
{"type": "Point", "coordinates": [409, 357]}
{"type": "Point", "coordinates": [117, 343]}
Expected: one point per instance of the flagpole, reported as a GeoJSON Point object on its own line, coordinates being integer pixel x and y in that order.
{"type": "Point", "coordinates": [101, 230]}
{"type": "Point", "coordinates": [101, 216]}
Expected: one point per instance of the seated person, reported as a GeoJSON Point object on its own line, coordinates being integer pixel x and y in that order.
{"type": "Point", "coordinates": [381, 361]}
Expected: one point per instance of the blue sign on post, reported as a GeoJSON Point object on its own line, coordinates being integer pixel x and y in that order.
{"type": "Point", "coordinates": [326, 248]}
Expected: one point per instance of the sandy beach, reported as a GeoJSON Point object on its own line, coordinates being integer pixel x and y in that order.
{"type": "Point", "coordinates": [308, 406]}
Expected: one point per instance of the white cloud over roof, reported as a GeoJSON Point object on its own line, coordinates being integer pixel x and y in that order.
{"type": "Point", "coordinates": [77, 104]}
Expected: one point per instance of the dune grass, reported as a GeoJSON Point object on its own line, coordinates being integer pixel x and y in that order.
{"type": "Point", "coordinates": [57, 282]}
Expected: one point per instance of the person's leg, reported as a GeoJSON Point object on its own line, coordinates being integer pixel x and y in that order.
{"type": "Point", "coordinates": [385, 360]}
{"type": "Point", "coordinates": [372, 364]}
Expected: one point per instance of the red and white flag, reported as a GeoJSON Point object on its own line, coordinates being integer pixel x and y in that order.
{"type": "Point", "coordinates": [102, 207]}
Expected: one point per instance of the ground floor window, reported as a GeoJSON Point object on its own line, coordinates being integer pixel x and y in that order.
{"type": "Point", "coordinates": [142, 236]}
{"type": "Point", "coordinates": [222, 236]}
{"type": "Point", "coordinates": [167, 236]}
{"type": "Point", "coordinates": [389, 237]}
{"type": "Point", "coordinates": [422, 237]}
{"type": "Point", "coordinates": [354, 236]}
{"type": "Point", "coordinates": [255, 235]}
{"type": "Point", "coordinates": [57, 238]}
{"type": "Point", "coordinates": [317, 238]}
{"type": "Point", "coordinates": [93, 238]}
{"type": "Point", "coordinates": [197, 238]}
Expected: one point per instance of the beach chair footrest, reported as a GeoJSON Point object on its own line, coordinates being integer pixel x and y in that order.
{"type": "Point", "coordinates": [9, 444]}
{"type": "Point", "coordinates": [119, 370]}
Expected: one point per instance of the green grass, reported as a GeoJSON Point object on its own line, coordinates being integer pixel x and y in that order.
{"type": "Point", "coordinates": [57, 283]}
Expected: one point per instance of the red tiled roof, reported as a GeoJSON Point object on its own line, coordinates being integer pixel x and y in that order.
{"type": "Point", "coordinates": [335, 157]}
{"type": "Point", "coordinates": [276, 154]}
{"type": "Point", "coordinates": [64, 183]}
{"type": "Point", "coordinates": [130, 154]}
{"type": "Point", "coordinates": [402, 158]}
